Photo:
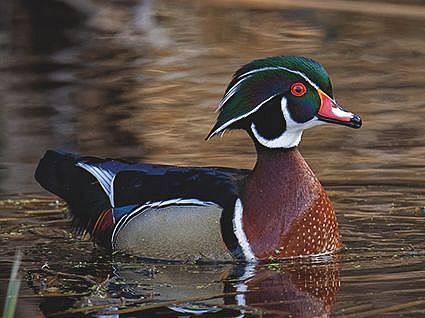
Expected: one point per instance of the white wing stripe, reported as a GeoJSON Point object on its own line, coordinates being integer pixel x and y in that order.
{"type": "Point", "coordinates": [104, 177]}
{"type": "Point", "coordinates": [127, 218]}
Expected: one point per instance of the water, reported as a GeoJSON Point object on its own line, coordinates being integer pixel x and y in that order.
{"type": "Point", "coordinates": [141, 80]}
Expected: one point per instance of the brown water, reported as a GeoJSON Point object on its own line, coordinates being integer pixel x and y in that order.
{"type": "Point", "coordinates": [141, 80]}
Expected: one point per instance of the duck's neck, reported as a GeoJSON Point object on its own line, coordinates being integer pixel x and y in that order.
{"type": "Point", "coordinates": [283, 202]}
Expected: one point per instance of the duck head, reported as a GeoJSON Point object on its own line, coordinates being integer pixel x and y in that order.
{"type": "Point", "coordinates": [276, 98]}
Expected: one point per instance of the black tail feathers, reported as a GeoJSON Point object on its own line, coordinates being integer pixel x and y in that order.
{"type": "Point", "coordinates": [57, 172]}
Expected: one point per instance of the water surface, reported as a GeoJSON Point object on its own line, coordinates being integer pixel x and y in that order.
{"type": "Point", "coordinates": [141, 80]}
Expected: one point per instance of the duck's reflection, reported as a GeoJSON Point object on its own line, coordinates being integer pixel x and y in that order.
{"type": "Point", "coordinates": [304, 288]}
{"type": "Point", "coordinates": [298, 289]}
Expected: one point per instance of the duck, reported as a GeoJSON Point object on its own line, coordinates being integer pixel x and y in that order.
{"type": "Point", "coordinates": [277, 210]}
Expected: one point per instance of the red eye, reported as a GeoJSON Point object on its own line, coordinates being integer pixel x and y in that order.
{"type": "Point", "coordinates": [298, 89]}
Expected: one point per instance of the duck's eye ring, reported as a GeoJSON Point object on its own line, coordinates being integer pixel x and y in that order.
{"type": "Point", "coordinates": [298, 89]}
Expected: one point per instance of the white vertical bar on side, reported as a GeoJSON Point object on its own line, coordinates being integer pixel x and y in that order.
{"type": "Point", "coordinates": [240, 234]}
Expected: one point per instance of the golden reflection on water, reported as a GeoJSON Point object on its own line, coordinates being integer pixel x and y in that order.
{"type": "Point", "coordinates": [141, 80]}
{"type": "Point", "coordinates": [145, 82]}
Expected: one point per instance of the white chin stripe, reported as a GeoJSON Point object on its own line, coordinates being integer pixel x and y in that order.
{"type": "Point", "coordinates": [291, 137]}
{"type": "Point", "coordinates": [287, 140]}
{"type": "Point", "coordinates": [240, 234]}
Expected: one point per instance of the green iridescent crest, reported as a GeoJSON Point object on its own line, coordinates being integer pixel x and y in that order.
{"type": "Point", "coordinates": [259, 81]}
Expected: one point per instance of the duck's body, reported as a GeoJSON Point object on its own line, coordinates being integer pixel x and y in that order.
{"type": "Point", "coordinates": [137, 208]}
{"type": "Point", "coordinates": [279, 209]}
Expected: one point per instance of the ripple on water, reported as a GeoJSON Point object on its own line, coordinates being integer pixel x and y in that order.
{"type": "Point", "coordinates": [141, 80]}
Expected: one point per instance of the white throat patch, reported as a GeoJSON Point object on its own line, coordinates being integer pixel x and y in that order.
{"type": "Point", "coordinates": [291, 137]}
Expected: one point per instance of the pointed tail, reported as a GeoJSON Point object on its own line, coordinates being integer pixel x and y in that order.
{"type": "Point", "coordinates": [57, 172]}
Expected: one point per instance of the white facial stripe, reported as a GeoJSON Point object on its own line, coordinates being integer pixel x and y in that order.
{"type": "Point", "coordinates": [291, 137]}
{"type": "Point", "coordinates": [269, 68]}
{"type": "Point", "coordinates": [245, 76]}
{"type": "Point", "coordinates": [289, 121]}
{"type": "Point", "coordinates": [231, 92]}
{"type": "Point", "coordinates": [240, 233]}
{"type": "Point", "coordinates": [226, 124]}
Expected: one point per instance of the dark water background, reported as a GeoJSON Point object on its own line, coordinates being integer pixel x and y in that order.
{"type": "Point", "coordinates": [141, 80]}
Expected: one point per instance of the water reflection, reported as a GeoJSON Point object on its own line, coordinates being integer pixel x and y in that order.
{"type": "Point", "coordinates": [303, 288]}
{"type": "Point", "coordinates": [141, 80]}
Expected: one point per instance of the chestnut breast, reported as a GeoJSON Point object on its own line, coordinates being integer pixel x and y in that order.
{"type": "Point", "coordinates": [283, 199]}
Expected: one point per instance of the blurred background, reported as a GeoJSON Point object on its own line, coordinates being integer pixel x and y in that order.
{"type": "Point", "coordinates": [141, 80]}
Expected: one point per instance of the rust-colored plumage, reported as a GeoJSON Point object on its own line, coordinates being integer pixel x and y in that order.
{"type": "Point", "coordinates": [286, 210]}
{"type": "Point", "coordinates": [103, 228]}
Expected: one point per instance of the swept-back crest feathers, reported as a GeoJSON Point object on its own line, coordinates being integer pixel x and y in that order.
{"type": "Point", "coordinates": [257, 82]}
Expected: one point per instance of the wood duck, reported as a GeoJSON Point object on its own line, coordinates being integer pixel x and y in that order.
{"type": "Point", "coordinates": [279, 209]}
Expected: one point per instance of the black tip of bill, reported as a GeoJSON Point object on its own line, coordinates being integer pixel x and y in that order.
{"type": "Point", "coordinates": [356, 121]}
